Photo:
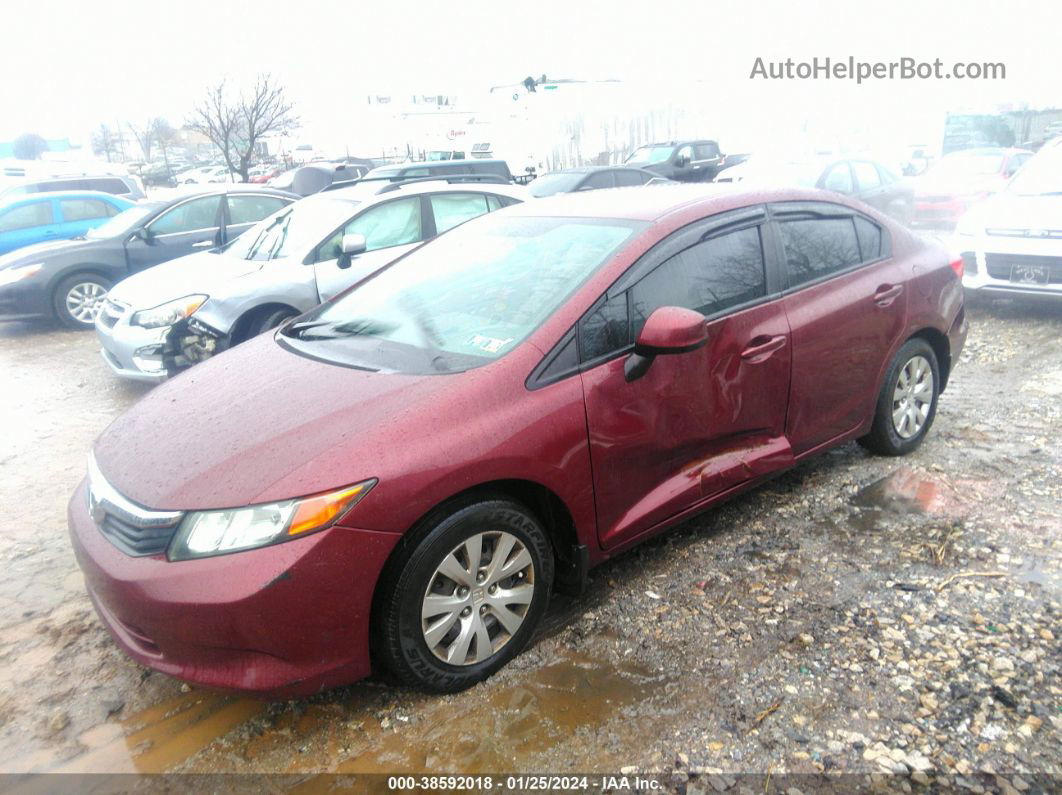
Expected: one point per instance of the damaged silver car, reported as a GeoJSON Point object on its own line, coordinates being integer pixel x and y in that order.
{"type": "Point", "coordinates": [170, 317]}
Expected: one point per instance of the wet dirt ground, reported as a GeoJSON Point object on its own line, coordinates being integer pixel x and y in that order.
{"type": "Point", "coordinates": [858, 614]}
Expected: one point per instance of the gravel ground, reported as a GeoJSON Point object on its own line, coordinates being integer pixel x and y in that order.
{"type": "Point", "coordinates": [893, 620]}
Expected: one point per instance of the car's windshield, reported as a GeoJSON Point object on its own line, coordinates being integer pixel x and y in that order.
{"type": "Point", "coordinates": [647, 155]}
{"type": "Point", "coordinates": [548, 184]}
{"type": "Point", "coordinates": [968, 163]}
{"type": "Point", "coordinates": [471, 295]}
{"type": "Point", "coordinates": [292, 231]}
{"type": "Point", "coordinates": [1041, 175]}
{"type": "Point", "coordinates": [124, 222]}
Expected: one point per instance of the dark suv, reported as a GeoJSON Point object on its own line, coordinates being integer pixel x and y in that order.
{"type": "Point", "coordinates": [686, 161]}
{"type": "Point", "coordinates": [444, 168]}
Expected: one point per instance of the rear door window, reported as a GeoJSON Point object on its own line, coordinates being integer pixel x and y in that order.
{"type": "Point", "coordinates": [85, 209]}
{"type": "Point", "coordinates": [250, 209]}
{"type": "Point", "coordinates": [107, 185]}
{"type": "Point", "coordinates": [818, 247]}
{"type": "Point", "coordinates": [627, 178]}
{"type": "Point", "coordinates": [600, 179]}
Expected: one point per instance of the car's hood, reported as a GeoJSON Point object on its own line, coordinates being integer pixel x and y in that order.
{"type": "Point", "coordinates": [258, 424]}
{"type": "Point", "coordinates": [1008, 210]}
{"type": "Point", "coordinates": [40, 251]}
{"type": "Point", "coordinates": [196, 273]}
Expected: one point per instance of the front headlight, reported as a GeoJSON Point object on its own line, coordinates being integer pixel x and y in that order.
{"type": "Point", "coordinates": [203, 534]}
{"type": "Point", "coordinates": [168, 313]}
{"type": "Point", "coordinates": [17, 273]}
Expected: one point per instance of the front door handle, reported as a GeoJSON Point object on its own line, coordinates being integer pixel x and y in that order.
{"type": "Point", "coordinates": [886, 294]}
{"type": "Point", "coordinates": [760, 348]}
{"type": "Point", "coordinates": [204, 244]}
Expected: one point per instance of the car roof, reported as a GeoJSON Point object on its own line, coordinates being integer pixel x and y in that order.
{"type": "Point", "coordinates": [364, 191]}
{"type": "Point", "coordinates": [594, 169]}
{"type": "Point", "coordinates": [435, 164]}
{"type": "Point", "coordinates": [64, 194]}
{"type": "Point", "coordinates": [30, 180]}
{"type": "Point", "coordinates": [651, 202]}
{"type": "Point", "coordinates": [182, 192]}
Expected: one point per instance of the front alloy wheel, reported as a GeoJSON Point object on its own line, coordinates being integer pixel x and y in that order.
{"type": "Point", "coordinates": [477, 598]}
{"type": "Point", "coordinates": [463, 594]}
{"type": "Point", "coordinates": [79, 298]}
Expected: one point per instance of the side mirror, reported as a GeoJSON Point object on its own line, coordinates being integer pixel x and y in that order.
{"type": "Point", "coordinates": [682, 161]}
{"type": "Point", "coordinates": [144, 234]}
{"type": "Point", "coordinates": [350, 247]}
{"type": "Point", "coordinates": [669, 330]}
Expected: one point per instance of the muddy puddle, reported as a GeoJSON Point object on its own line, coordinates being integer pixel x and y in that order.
{"type": "Point", "coordinates": [501, 725]}
{"type": "Point", "coordinates": [907, 491]}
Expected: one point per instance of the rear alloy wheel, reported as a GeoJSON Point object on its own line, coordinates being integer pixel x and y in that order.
{"type": "Point", "coordinates": [79, 298]}
{"type": "Point", "coordinates": [908, 401]}
{"type": "Point", "coordinates": [467, 598]}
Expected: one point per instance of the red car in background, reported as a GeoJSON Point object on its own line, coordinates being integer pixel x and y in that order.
{"type": "Point", "coordinates": [960, 180]}
{"type": "Point", "coordinates": [404, 474]}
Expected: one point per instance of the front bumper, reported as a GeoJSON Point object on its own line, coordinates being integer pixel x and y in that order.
{"type": "Point", "coordinates": [130, 351]}
{"type": "Point", "coordinates": [25, 299]}
{"type": "Point", "coordinates": [281, 621]}
{"type": "Point", "coordinates": [996, 263]}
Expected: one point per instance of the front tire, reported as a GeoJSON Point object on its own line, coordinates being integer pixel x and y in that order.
{"type": "Point", "coordinates": [907, 404]}
{"type": "Point", "coordinates": [269, 320]}
{"type": "Point", "coordinates": [465, 596]}
{"type": "Point", "coordinates": [77, 299]}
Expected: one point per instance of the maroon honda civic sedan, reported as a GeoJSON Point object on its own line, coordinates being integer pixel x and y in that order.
{"type": "Point", "coordinates": [401, 477]}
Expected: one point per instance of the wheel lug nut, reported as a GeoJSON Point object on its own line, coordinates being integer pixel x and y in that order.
{"type": "Point", "coordinates": [466, 612]}
{"type": "Point", "coordinates": [481, 577]}
{"type": "Point", "coordinates": [462, 592]}
{"type": "Point", "coordinates": [482, 609]}
{"type": "Point", "coordinates": [493, 589]}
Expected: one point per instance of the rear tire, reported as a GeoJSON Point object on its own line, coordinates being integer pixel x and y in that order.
{"type": "Point", "coordinates": [77, 299]}
{"type": "Point", "coordinates": [444, 621]}
{"type": "Point", "coordinates": [907, 404]}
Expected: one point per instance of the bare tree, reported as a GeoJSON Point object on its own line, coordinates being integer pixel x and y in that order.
{"type": "Point", "coordinates": [145, 137]}
{"type": "Point", "coordinates": [29, 146]}
{"type": "Point", "coordinates": [235, 126]}
{"type": "Point", "coordinates": [164, 135]}
{"type": "Point", "coordinates": [104, 142]}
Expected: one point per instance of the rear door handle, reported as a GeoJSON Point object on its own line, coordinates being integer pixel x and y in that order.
{"type": "Point", "coordinates": [760, 348]}
{"type": "Point", "coordinates": [886, 294]}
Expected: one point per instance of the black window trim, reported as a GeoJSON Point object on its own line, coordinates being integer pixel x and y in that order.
{"type": "Point", "coordinates": [754, 215]}
{"type": "Point", "coordinates": [801, 210]}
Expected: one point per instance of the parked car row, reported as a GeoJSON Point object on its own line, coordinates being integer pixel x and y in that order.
{"type": "Point", "coordinates": [68, 279]}
{"type": "Point", "coordinates": [167, 318]}
{"type": "Point", "coordinates": [402, 475]}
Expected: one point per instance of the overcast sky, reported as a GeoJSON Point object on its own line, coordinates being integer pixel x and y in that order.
{"type": "Point", "coordinates": [68, 66]}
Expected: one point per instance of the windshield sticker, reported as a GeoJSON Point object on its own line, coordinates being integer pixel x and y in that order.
{"type": "Point", "coordinates": [487, 344]}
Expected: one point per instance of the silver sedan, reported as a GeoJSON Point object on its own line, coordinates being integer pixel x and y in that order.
{"type": "Point", "coordinates": [171, 316]}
